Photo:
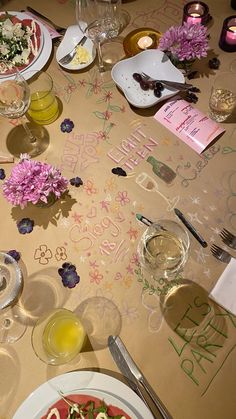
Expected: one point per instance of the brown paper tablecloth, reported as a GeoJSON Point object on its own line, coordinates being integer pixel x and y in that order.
{"type": "Point", "coordinates": [187, 352]}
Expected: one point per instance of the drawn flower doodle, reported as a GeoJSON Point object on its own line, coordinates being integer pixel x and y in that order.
{"type": "Point", "coordinates": [102, 135]}
{"type": "Point", "coordinates": [43, 254]}
{"type": "Point", "coordinates": [110, 185]}
{"type": "Point", "coordinates": [151, 303]}
{"type": "Point", "coordinates": [89, 187]}
{"type": "Point", "coordinates": [122, 198]}
{"type": "Point", "coordinates": [60, 253]}
{"type": "Point", "coordinates": [133, 234]}
{"type": "Point", "coordinates": [128, 280]}
{"type": "Point", "coordinates": [107, 96]}
{"type": "Point", "coordinates": [135, 259]}
{"type": "Point", "coordinates": [95, 276]}
{"type": "Point", "coordinates": [128, 312]}
{"type": "Point", "coordinates": [107, 115]}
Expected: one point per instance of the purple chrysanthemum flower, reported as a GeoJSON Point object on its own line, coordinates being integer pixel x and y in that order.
{"type": "Point", "coordinates": [2, 174]}
{"type": "Point", "coordinates": [76, 181]}
{"type": "Point", "coordinates": [25, 226]}
{"type": "Point", "coordinates": [67, 125]}
{"type": "Point", "coordinates": [186, 42]}
{"type": "Point", "coordinates": [33, 181]}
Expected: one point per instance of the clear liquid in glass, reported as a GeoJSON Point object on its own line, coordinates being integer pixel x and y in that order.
{"type": "Point", "coordinates": [222, 103]}
{"type": "Point", "coordinates": [164, 251]}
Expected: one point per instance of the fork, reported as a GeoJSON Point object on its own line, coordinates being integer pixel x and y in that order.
{"type": "Point", "coordinates": [228, 238]}
{"type": "Point", "coordinates": [220, 254]}
{"type": "Point", "coordinates": [59, 29]}
{"type": "Point", "coordinates": [167, 83]}
{"type": "Point", "coordinates": [69, 57]}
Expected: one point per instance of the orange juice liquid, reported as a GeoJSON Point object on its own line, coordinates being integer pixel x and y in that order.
{"type": "Point", "coordinates": [43, 108]}
{"type": "Point", "coordinates": [63, 336]}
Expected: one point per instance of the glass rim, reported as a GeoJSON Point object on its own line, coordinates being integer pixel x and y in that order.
{"type": "Point", "coordinates": [38, 73]}
{"type": "Point", "coordinates": [47, 317]}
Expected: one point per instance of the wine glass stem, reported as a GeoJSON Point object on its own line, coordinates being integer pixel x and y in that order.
{"type": "Point", "coordinates": [100, 60]}
{"type": "Point", "coordinates": [31, 137]}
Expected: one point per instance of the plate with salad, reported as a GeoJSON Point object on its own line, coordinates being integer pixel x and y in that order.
{"type": "Point", "coordinates": [25, 42]}
{"type": "Point", "coordinates": [83, 394]}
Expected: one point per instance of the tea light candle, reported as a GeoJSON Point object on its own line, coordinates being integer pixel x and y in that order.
{"type": "Point", "coordinates": [196, 12]}
{"type": "Point", "coordinates": [228, 35]}
{"type": "Point", "coordinates": [145, 42]}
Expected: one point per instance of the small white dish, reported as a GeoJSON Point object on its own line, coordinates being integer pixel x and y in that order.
{"type": "Point", "coordinates": [71, 38]}
{"type": "Point", "coordinates": [152, 62]}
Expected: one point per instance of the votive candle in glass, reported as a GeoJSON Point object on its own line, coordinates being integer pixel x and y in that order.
{"type": "Point", "coordinates": [228, 34]}
{"type": "Point", "coordinates": [196, 12]}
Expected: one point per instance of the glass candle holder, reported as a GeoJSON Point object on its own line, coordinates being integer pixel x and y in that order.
{"type": "Point", "coordinates": [228, 34]}
{"type": "Point", "coordinates": [196, 12]}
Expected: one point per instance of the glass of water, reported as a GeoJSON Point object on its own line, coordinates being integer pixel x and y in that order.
{"type": "Point", "coordinates": [223, 96]}
{"type": "Point", "coordinates": [163, 248]}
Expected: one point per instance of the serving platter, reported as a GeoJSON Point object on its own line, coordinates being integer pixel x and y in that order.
{"type": "Point", "coordinates": [152, 62]}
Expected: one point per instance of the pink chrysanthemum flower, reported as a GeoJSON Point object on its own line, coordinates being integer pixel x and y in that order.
{"type": "Point", "coordinates": [186, 42]}
{"type": "Point", "coordinates": [33, 181]}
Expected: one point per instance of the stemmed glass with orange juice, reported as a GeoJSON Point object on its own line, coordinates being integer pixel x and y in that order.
{"type": "Point", "coordinates": [58, 336]}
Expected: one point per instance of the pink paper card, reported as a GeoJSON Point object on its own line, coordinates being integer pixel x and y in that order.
{"type": "Point", "coordinates": [188, 123]}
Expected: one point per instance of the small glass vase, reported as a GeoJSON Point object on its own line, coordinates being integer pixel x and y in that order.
{"type": "Point", "coordinates": [185, 66]}
{"type": "Point", "coordinates": [50, 201]}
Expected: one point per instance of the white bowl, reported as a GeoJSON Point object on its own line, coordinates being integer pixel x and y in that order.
{"type": "Point", "coordinates": [72, 37]}
{"type": "Point", "coordinates": [152, 62]}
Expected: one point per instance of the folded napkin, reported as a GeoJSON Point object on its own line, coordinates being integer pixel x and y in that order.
{"type": "Point", "coordinates": [224, 292]}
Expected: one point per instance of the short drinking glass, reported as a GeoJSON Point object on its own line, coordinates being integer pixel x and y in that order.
{"type": "Point", "coordinates": [163, 248]}
{"type": "Point", "coordinates": [43, 107]}
{"type": "Point", "coordinates": [223, 96]}
{"type": "Point", "coordinates": [58, 336]}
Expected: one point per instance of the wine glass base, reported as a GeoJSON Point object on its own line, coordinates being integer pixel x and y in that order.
{"type": "Point", "coordinates": [18, 141]}
{"type": "Point", "coordinates": [11, 328]}
{"type": "Point", "coordinates": [112, 52]}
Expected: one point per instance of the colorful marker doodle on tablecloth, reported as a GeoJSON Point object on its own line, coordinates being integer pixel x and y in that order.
{"type": "Point", "coordinates": [43, 254]}
{"type": "Point", "coordinates": [167, 14]}
{"type": "Point", "coordinates": [133, 149]}
{"type": "Point", "coordinates": [201, 340]}
{"type": "Point", "coordinates": [189, 172]}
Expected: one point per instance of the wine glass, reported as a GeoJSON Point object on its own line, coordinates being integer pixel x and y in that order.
{"type": "Point", "coordinates": [11, 283]}
{"type": "Point", "coordinates": [96, 19]}
{"type": "Point", "coordinates": [163, 248]}
{"type": "Point", "coordinates": [14, 103]}
{"type": "Point", "coordinates": [58, 336]}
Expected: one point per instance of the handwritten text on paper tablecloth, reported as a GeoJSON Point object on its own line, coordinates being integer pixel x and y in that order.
{"type": "Point", "coordinates": [203, 349]}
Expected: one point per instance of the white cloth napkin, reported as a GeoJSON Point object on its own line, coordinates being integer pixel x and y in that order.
{"type": "Point", "coordinates": [224, 292]}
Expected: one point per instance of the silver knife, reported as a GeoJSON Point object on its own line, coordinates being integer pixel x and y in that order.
{"type": "Point", "coordinates": [128, 367]}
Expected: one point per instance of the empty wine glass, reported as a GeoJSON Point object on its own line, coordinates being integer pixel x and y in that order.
{"type": "Point", "coordinates": [14, 103]}
{"type": "Point", "coordinates": [11, 328]}
{"type": "Point", "coordinates": [97, 19]}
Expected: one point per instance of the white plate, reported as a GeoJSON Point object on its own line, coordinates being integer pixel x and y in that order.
{"type": "Point", "coordinates": [72, 37]}
{"type": "Point", "coordinates": [89, 382]}
{"type": "Point", "coordinates": [39, 62]}
{"type": "Point", "coordinates": [152, 62]}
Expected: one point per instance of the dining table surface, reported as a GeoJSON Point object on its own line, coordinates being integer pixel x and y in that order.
{"type": "Point", "coordinates": [183, 342]}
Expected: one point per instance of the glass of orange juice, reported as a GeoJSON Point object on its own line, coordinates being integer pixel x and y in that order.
{"type": "Point", "coordinates": [43, 107]}
{"type": "Point", "coordinates": [58, 336]}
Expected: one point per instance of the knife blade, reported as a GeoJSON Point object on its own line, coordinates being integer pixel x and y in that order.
{"type": "Point", "coordinates": [130, 370]}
